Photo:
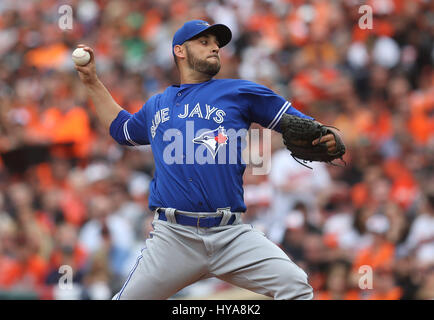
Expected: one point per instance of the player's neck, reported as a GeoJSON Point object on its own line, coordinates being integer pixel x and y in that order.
{"type": "Point", "coordinates": [194, 77]}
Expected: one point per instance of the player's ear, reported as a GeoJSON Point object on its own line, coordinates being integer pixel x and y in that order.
{"type": "Point", "coordinates": [179, 51]}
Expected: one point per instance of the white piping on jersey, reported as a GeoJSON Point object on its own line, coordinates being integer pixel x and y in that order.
{"type": "Point", "coordinates": [127, 135]}
{"type": "Point", "coordinates": [276, 119]}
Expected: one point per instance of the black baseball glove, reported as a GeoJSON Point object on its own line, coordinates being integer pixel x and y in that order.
{"type": "Point", "coordinates": [298, 135]}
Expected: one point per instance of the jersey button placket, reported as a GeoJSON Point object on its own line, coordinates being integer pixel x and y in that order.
{"type": "Point", "coordinates": [178, 98]}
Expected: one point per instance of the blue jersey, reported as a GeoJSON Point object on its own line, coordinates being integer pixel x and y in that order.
{"type": "Point", "coordinates": [196, 132]}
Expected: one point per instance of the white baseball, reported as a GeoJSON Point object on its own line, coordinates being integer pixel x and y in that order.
{"type": "Point", "coordinates": [80, 57]}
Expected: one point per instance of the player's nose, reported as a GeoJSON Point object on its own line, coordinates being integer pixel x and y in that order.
{"type": "Point", "coordinates": [215, 48]}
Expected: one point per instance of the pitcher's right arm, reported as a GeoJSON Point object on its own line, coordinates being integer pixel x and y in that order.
{"type": "Point", "coordinates": [125, 128]}
{"type": "Point", "coordinates": [106, 107]}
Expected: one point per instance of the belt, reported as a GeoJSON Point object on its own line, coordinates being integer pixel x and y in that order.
{"type": "Point", "coordinates": [195, 221]}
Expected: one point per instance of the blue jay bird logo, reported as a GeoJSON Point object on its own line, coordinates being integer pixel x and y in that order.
{"type": "Point", "coordinates": [213, 140]}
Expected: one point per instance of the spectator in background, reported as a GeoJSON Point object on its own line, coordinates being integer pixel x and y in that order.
{"type": "Point", "coordinates": [67, 252]}
{"type": "Point", "coordinates": [100, 278]}
{"type": "Point", "coordinates": [8, 232]}
{"type": "Point", "coordinates": [294, 183]}
{"type": "Point", "coordinates": [257, 196]}
{"type": "Point", "coordinates": [294, 236]}
{"type": "Point", "coordinates": [420, 240]}
{"type": "Point", "coordinates": [426, 290]}
{"type": "Point", "coordinates": [380, 253]}
{"type": "Point", "coordinates": [385, 287]}
{"type": "Point", "coordinates": [107, 233]}
{"type": "Point", "coordinates": [338, 283]}
{"type": "Point", "coordinates": [344, 227]}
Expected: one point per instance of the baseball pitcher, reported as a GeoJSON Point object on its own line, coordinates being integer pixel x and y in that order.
{"type": "Point", "coordinates": [197, 190]}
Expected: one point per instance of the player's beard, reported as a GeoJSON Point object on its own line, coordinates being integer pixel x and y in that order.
{"type": "Point", "coordinates": [202, 66]}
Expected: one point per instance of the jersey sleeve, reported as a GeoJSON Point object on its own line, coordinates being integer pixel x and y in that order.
{"type": "Point", "coordinates": [130, 129]}
{"type": "Point", "coordinates": [265, 106]}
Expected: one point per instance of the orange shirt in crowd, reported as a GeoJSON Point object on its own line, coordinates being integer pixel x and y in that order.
{"type": "Point", "coordinates": [79, 257]}
{"type": "Point", "coordinates": [393, 294]}
{"type": "Point", "coordinates": [375, 256]}
{"type": "Point", "coordinates": [267, 23]}
{"type": "Point", "coordinates": [327, 295]}
{"type": "Point", "coordinates": [72, 126]}
{"type": "Point", "coordinates": [153, 21]}
{"type": "Point", "coordinates": [71, 203]}
{"type": "Point", "coordinates": [381, 126]}
{"type": "Point", "coordinates": [9, 271]}
{"type": "Point", "coordinates": [359, 194]}
{"type": "Point", "coordinates": [51, 56]}
{"type": "Point", "coordinates": [404, 186]}
{"type": "Point", "coordinates": [34, 269]}
{"type": "Point", "coordinates": [73, 207]}
{"type": "Point", "coordinates": [420, 123]}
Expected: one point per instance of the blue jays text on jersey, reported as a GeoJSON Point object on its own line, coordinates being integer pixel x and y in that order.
{"type": "Point", "coordinates": [201, 116]}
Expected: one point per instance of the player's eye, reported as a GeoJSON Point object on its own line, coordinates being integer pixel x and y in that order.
{"type": "Point", "coordinates": [204, 42]}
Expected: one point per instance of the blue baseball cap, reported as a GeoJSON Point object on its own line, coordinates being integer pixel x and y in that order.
{"type": "Point", "coordinates": [193, 28]}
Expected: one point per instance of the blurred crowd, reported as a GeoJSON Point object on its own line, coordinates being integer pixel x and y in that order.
{"type": "Point", "coordinates": [70, 196]}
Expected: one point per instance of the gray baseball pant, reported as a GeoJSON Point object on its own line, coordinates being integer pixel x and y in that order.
{"type": "Point", "coordinates": [176, 256]}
